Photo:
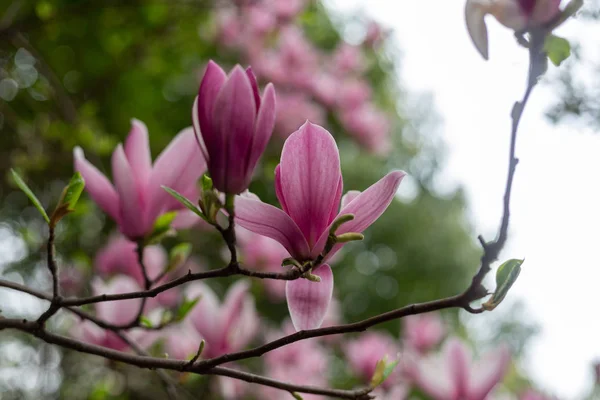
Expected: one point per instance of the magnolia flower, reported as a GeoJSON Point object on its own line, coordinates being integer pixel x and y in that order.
{"type": "Point", "coordinates": [120, 312]}
{"type": "Point", "coordinates": [369, 126]}
{"type": "Point", "coordinates": [233, 125]}
{"type": "Point", "coordinates": [137, 198]}
{"type": "Point", "coordinates": [308, 184]}
{"type": "Point", "coordinates": [514, 14]}
{"type": "Point", "coordinates": [225, 327]}
{"type": "Point", "coordinates": [293, 110]}
{"type": "Point", "coordinates": [422, 332]}
{"type": "Point", "coordinates": [364, 352]}
{"type": "Point", "coordinates": [454, 375]}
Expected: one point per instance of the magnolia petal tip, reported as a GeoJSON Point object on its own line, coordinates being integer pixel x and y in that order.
{"type": "Point", "coordinates": [475, 13]}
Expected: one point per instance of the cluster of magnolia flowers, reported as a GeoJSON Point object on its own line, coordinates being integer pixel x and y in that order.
{"type": "Point", "coordinates": [310, 81]}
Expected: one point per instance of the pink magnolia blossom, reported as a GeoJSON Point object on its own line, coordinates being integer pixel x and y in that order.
{"type": "Point", "coordinates": [119, 257]}
{"type": "Point", "coordinates": [514, 14]}
{"type": "Point", "coordinates": [120, 312]}
{"type": "Point", "coordinates": [233, 125]}
{"type": "Point", "coordinates": [263, 254]}
{"type": "Point", "coordinates": [353, 93]}
{"type": "Point", "coordinates": [298, 57]}
{"type": "Point", "coordinates": [423, 332]}
{"type": "Point", "coordinates": [454, 375]}
{"type": "Point", "coordinates": [225, 327]}
{"type": "Point", "coordinates": [398, 391]}
{"type": "Point", "coordinates": [348, 59]}
{"type": "Point", "coordinates": [364, 352]}
{"type": "Point", "coordinates": [370, 127]}
{"type": "Point", "coordinates": [293, 110]}
{"type": "Point", "coordinates": [287, 9]}
{"type": "Point", "coordinates": [231, 388]}
{"type": "Point", "coordinates": [308, 184]}
{"type": "Point", "coordinates": [137, 198]}
{"type": "Point", "coordinates": [375, 34]}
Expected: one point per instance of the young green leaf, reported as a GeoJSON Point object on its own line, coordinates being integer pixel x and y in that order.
{"type": "Point", "coordinates": [178, 255]}
{"type": "Point", "coordinates": [185, 308]}
{"type": "Point", "coordinates": [383, 370]}
{"type": "Point", "coordinates": [162, 226]}
{"type": "Point", "coordinates": [23, 186]}
{"type": "Point", "coordinates": [187, 203]}
{"type": "Point", "coordinates": [68, 199]}
{"type": "Point", "coordinates": [557, 48]}
{"type": "Point", "coordinates": [506, 276]}
{"type": "Point", "coordinates": [145, 322]}
{"type": "Point", "coordinates": [296, 396]}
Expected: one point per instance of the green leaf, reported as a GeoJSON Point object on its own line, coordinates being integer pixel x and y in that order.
{"type": "Point", "coordinates": [557, 48]}
{"type": "Point", "coordinates": [383, 369]}
{"type": "Point", "coordinates": [506, 276]}
{"type": "Point", "coordinates": [68, 199]}
{"type": "Point", "coordinates": [187, 203]}
{"type": "Point", "coordinates": [162, 226]}
{"type": "Point", "coordinates": [23, 186]}
{"type": "Point", "coordinates": [207, 183]}
{"type": "Point", "coordinates": [296, 396]}
{"type": "Point", "coordinates": [146, 322]}
{"type": "Point", "coordinates": [178, 255]}
{"type": "Point", "coordinates": [185, 308]}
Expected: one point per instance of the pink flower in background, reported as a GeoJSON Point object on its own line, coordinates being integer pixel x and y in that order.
{"type": "Point", "coordinates": [233, 125]}
{"type": "Point", "coordinates": [228, 26]}
{"type": "Point", "coordinates": [304, 362]}
{"type": "Point", "coordinates": [423, 332]}
{"type": "Point", "coordinates": [137, 198]}
{"type": "Point", "coordinates": [325, 89]}
{"type": "Point", "coordinates": [231, 388]}
{"type": "Point", "coordinates": [348, 59]}
{"type": "Point", "coordinates": [119, 257]}
{"type": "Point", "coordinates": [299, 57]}
{"type": "Point", "coordinates": [454, 375]}
{"type": "Point", "coordinates": [364, 352]}
{"type": "Point", "coordinates": [263, 254]}
{"type": "Point", "coordinates": [370, 127]}
{"type": "Point", "coordinates": [293, 110]}
{"type": "Point", "coordinates": [287, 9]}
{"type": "Point", "coordinates": [308, 184]}
{"type": "Point", "coordinates": [120, 312]}
{"type": "Point", "coordinates": [399, 391]}
{"type": "Point", "coordinates": [71, 280]}
{"type": "Point", "coordinates": [226, 327]}
{"type": "Point", "coordinates": [353, 93]}
{"type": "Point", "coordinates": [181, 341]}
{"type": "Point", "coordinates": [260, 20]}
{"type": "Point", "coordinates": [375, 34]}
{"type": "Point", "coordinates": [514, 14]}
{"type": "Point", "coordinates": [531, 394]}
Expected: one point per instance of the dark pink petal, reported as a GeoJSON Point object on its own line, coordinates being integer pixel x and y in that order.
{"type": "Point", "coordinates": [366, 207]}
{"type": "Point", "coordinates": [132, 220]}
{"type": "Point", "coordinates": [213, 80]}
{"type": "Point", "coordinates": [309, 176]}
{"type": "Point", "coordinates": [197, 131]}
{"type": "Point", "coordinates": [265, 121]}
{"type": "Point", "coordinates": [97, 185]}
{"type": "Point", "coordinates": [178, 167]}
{"type": "Point", "coordinates": [270, 221]}
{"type": "Point", "coordinates": [335, 205]}
{"type": "Point", "coordinates": [137, 150]}
{"type": "Point", "coordinates": [487, 372]}
{"type": "Point", "coordinates": [254, 84]}
{"type": "Point", "coordinates": [308, 301]}
{"type": "Point", "coordinates": [233, 119]}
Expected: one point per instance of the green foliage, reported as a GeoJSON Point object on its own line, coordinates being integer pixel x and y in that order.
{"type": "Point", "coordinates": [557, 48]}
{"type": "Point", "coordinates": [23, 186]}
{"type": "Point", "coordinates": [383, 369]}
{"type": "Point", "coordinates": [506, 276]}
{"type": "Point", "coordinates": [68, 199]}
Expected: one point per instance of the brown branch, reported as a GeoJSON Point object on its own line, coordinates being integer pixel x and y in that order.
{"type": "Point", "coordinates": [52, 267]}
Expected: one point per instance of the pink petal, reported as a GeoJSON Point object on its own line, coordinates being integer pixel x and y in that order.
{"type": "Point", "coordinates": [254, 84]}
{"type": "Point", "coordinates": [459, 365]}
{"type": "Point", "coordinates": [137, 150]}
{"type": "Point", "coordinates": [97, 185]}
{"type": "Point", "coordinates": [487, 372]}
{"type": "Point", "coordinates": [197, 131]}
{"type": "Point", "coordinates": [121, 311]}
{"type": "Point", "coordinates": [233, 118]}
{"type": "Point", "coordinates": [265, 121]}
{"type": "Point", "coordinates": [308, 301]}
{"type": "Point", "coordinates": [270, 221]}
{"type": "Point", "coordinates": [349, 196]}
{"type": "Point", "coordinates": [205, 314]}
{"type": "Point", "coordinates": [132, 204]}
{"type": "Point", "coordinates": [432, 375]}
{"type": "Point", "coordinates": [178, 167]}
{"type": "Point", "coordinates": [366, 207]}
{"type": "Point", "coordinates": [309, 170]}
{"type": "Point", "coordinates": [239, 318]}
{"type": "Point", "coordinates": [232, 305]}
{"type": "Point", "coordinates": [213, 80]}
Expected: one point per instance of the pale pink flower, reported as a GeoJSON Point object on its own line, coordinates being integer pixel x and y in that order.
{"type": "Point", "coordinates": [308, 184]}
{"type": "Point", "coordinates": [325, 89]}
{"type": "Point", "coordinates": [226, 327]}
{"type": "Point", "coordinates": [293, 110]}
{"type": "Point", "coordinates": [352, 94]}
{"type": "Point", "coordinates": [375, 34]}
{"type": "Point", "coordinates": [233, 124]}
{"type": "Point", "coordinates": [531, 394]}
{"type": "Point", "coordinates": [231, 388]}
{"type": "Point", "coordinates": [137, 198]}
{"type": "Point", "coordinates": [454, 375]}
{"type": "Point", "coordinates": [287, 9]}
{"type": "Point", "coordinates": [348, 59]}
{"type": "Point", "coordinates": [370, 127]}
{"type": "Point", "coordinates": [229, 27]}
{"type": "Point", "coordinates": [514, 14]}
{"type": "Point", "coordinates": [423, 332]}
{"type": "Point", "coordinates": [364, 352]}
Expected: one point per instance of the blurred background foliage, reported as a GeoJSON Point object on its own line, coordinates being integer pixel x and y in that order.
{"type": "Point", "coordinates": [75, 72]}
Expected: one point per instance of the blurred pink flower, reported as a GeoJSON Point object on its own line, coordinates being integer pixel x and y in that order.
{"type": "Point", "coordinates": [370, 127]}
{"type": "Point", "coordinates": [259, 19]}
{"type": "Point", "coordinates": [231, 388]}
{"type": "Point", "coordinates": [119, 257]}
{"type": "Point", "coordinates": [287, 9]}
{"type": "Point", "coordinates": [295, 109]}
{"type": "Point", "coordinates": [299, 58]}
{"type": "Point", "coordinates": [531, 394]}
{"type": "Point", "coordinates": [348, 59]}
{"type": "Point", "coordinates": [352, 94]}
{"type": "Point", "coordinates": [310, 164]}
{"type": "Point", "coordinates": [375, 34]}
{"type": "Point", "coordinates": [71, 280]}
{"type": "Point", "coordinates": [119, 312]}
{"type": "Point", "coordinates": [181, 341]}
{"type": "Point", "coordinates": [232, 122]}
{"type": "Point", "coordinates": [263, 254]}
{"type": "Point", "coordinates": [399, 391]}
{"type": "Point", "coordinates": [229, 27]}
{"type": "Point", "coordinates": [454, 375]}
{"type": "Point", "coordinates": [364, 352]}
{"type": "Point", "coordinates": [514, 14]}
{"type": "Point", "coordinates": [137, 198]}
{"type": "Point", "coordinates": [225, 327]}
{"type": "Point", "coordinates": [423, 332]}
{"type": "Point", "coordinates": [325, 89]}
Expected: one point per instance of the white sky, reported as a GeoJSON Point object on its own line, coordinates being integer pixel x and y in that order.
{"type": "Point", "coordinates": [555, 213]}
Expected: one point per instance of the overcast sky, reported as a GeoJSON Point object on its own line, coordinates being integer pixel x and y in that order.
{"type": "Point", "coordinates": [555, 207]}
